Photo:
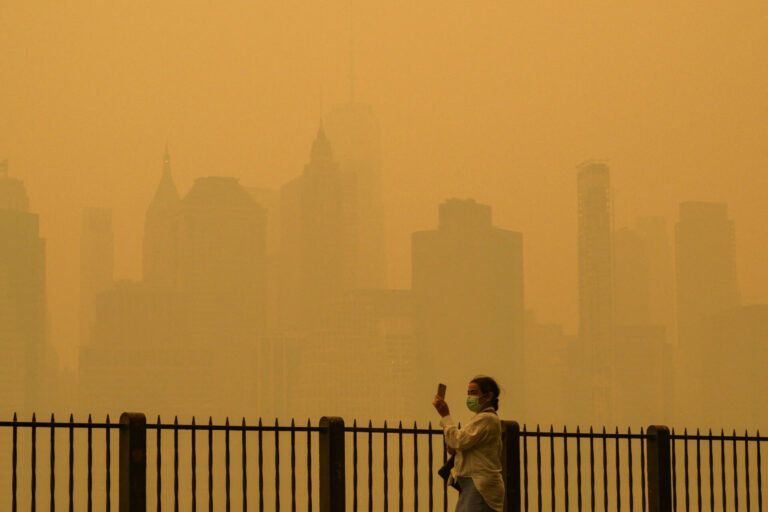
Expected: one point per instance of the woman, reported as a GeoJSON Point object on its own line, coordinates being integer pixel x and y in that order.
{"type": "Point", "coordinates": [477, 467]}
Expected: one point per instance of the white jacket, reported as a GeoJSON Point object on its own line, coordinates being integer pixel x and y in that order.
{"type": "Point", "coordinates": [478, 454]}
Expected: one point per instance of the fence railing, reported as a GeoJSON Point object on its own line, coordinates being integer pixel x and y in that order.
{"type": "Point", "coordinates": [729, 478]}
{"type": "Point", "coordinates": [333, 467]}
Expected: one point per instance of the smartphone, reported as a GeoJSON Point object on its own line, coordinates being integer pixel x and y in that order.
{"type": "Point", "coordinates": [441, 391]}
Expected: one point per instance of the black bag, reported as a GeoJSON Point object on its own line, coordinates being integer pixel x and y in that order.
{"type": "Point", "coordinates": [445, 472]}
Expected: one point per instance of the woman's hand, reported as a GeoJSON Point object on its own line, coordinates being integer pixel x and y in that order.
{"type": "Point", "coordinates": [441, 406]}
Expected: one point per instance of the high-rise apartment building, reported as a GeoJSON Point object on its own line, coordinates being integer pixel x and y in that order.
{"type": "Point", "coordinates": [595, 284]}
{"type": "Point", "coordinates": [97, 248]}
{"type": "Point", "coordinates": [468, 298]}
{"type": "Point", "coordinates": [22, 297]}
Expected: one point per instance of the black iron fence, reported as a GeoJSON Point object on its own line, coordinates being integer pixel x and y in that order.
{"type": "Point", "coordinates": [716, 471]}
{"type": "Point", "coordinates": [331, 466]}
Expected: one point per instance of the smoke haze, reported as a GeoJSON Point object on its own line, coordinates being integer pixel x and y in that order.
{"type": "Point", "coordinates": [495, 101]}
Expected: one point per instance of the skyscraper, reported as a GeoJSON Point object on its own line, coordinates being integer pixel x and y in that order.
{"type": "Point", "coordinates": [22, 296]}
{"type": "Point", "coordinates": [632, 299]}
{"type": "Point", "coordinates": [96, 263]}
{"type": "Point", "coordinates": [706, 266]}
{"type": "Point", "coordinates": [595, 283]}
{"type": "Point", "coordinates": [642, 321]}
{"type": "Point", "coordinates": [706, 286]}
{"type": "Point", "coordinates": [735, 362]}
{"type": "Point", "coordinates": [159, 252]}
{"type": "Point", "coordinates": [468, 299]}
{"type": "Point", "coordinates": [653, 231]}
{"type": "Point", "coordinates": [222, 261]}
{"type": "Point", "coordinates": [353, 130]}
{"type": "Point", "coordinates": [318, 239]}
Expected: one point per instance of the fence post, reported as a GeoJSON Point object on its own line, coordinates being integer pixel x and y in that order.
{"type": "Point", "coordinates": [332, 476]}
{"type": "Point", "coordinates": [511, 465]}
{"type": "Point", "coordinates": [133, 462]}
{"type": "Point", "coordinates": [659, 469]}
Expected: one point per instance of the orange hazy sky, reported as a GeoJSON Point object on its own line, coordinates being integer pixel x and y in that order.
{"type": "Point", "coordinates": [494, 100]}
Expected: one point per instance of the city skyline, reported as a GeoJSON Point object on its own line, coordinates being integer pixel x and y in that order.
{"type": "Point", "coordinates": [500, 113]}
{"type": "Point", "coordinates": [571, 326]}
{"type": "Point", "coordinates": [643, 269]}
{"type": "Point", "coordinates": [152, 116]}
{"type": "Point", "coordinates": [263, 234]}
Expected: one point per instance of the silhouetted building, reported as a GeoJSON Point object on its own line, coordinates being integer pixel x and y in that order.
{"type": "Point", "coordinates": [136, 332]}
{"type": "Point", "coordinates": [22, 298]}
{"type": "Point", "coordinates": [735, 358]}
{"type": "Point", "coordinates": [468, 298]}
{"type": "Point", "coordinates": [97, 247]}
{"type": "Point", "coordinates": [631, 277]}
{"type": "Point", "coordinates": [318, 239]}
{"type": "Point", "coordinates": [547, 374]}
{"type": "Point", "coordinates": [706, 267]}
{"type": "Point", "coordinates": [160, 250]}
{"type": "Point", "coordinates": [706, 285]}
{"type": "Point", "coordinates": [353, 130]}
{"type": "Point", "coordinates": [222, 262]}
{"type": "Point", "coordinates": [142, 330]}
{"type": "Point", "coordinates": [269, 199]}
{"type": "Point", "coordinates": [595, 283]}
{"type": "Point", "coordinates": [377, 326]}
{"type": "Point", "coordinates": [653, 231]}
{"type": "Point", "coordinates": [643, 374]}
{"type": "Point", "coordinates": [366, 340]}
{"type": "Point", "coordinates": [643, 356]}
{"type": "Point", "coordinates": [644, 275]}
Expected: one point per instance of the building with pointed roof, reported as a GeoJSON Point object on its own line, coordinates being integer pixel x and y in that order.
{"type": "Point", "coordinates": [318, 237]}
{"type": "Point", "coordinates": [159, 251]}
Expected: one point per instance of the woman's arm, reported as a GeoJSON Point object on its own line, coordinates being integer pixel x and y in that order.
{"type": "Point", "coordinates": [467, 436]}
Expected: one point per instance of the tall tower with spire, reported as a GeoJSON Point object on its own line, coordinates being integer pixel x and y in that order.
{"type": "Point", "coordinates": [353, 130]}
{"type": "Point", "coordinates": [318, 237]}
{"type": "Point", "coordinates": [159, 256]}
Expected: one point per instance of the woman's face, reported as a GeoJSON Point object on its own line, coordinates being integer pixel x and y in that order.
{"type": "Point", "coordinates": [474, 390]}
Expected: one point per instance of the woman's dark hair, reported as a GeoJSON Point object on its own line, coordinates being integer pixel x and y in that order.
{"type": "Point", "coordinates": [488, 385]}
